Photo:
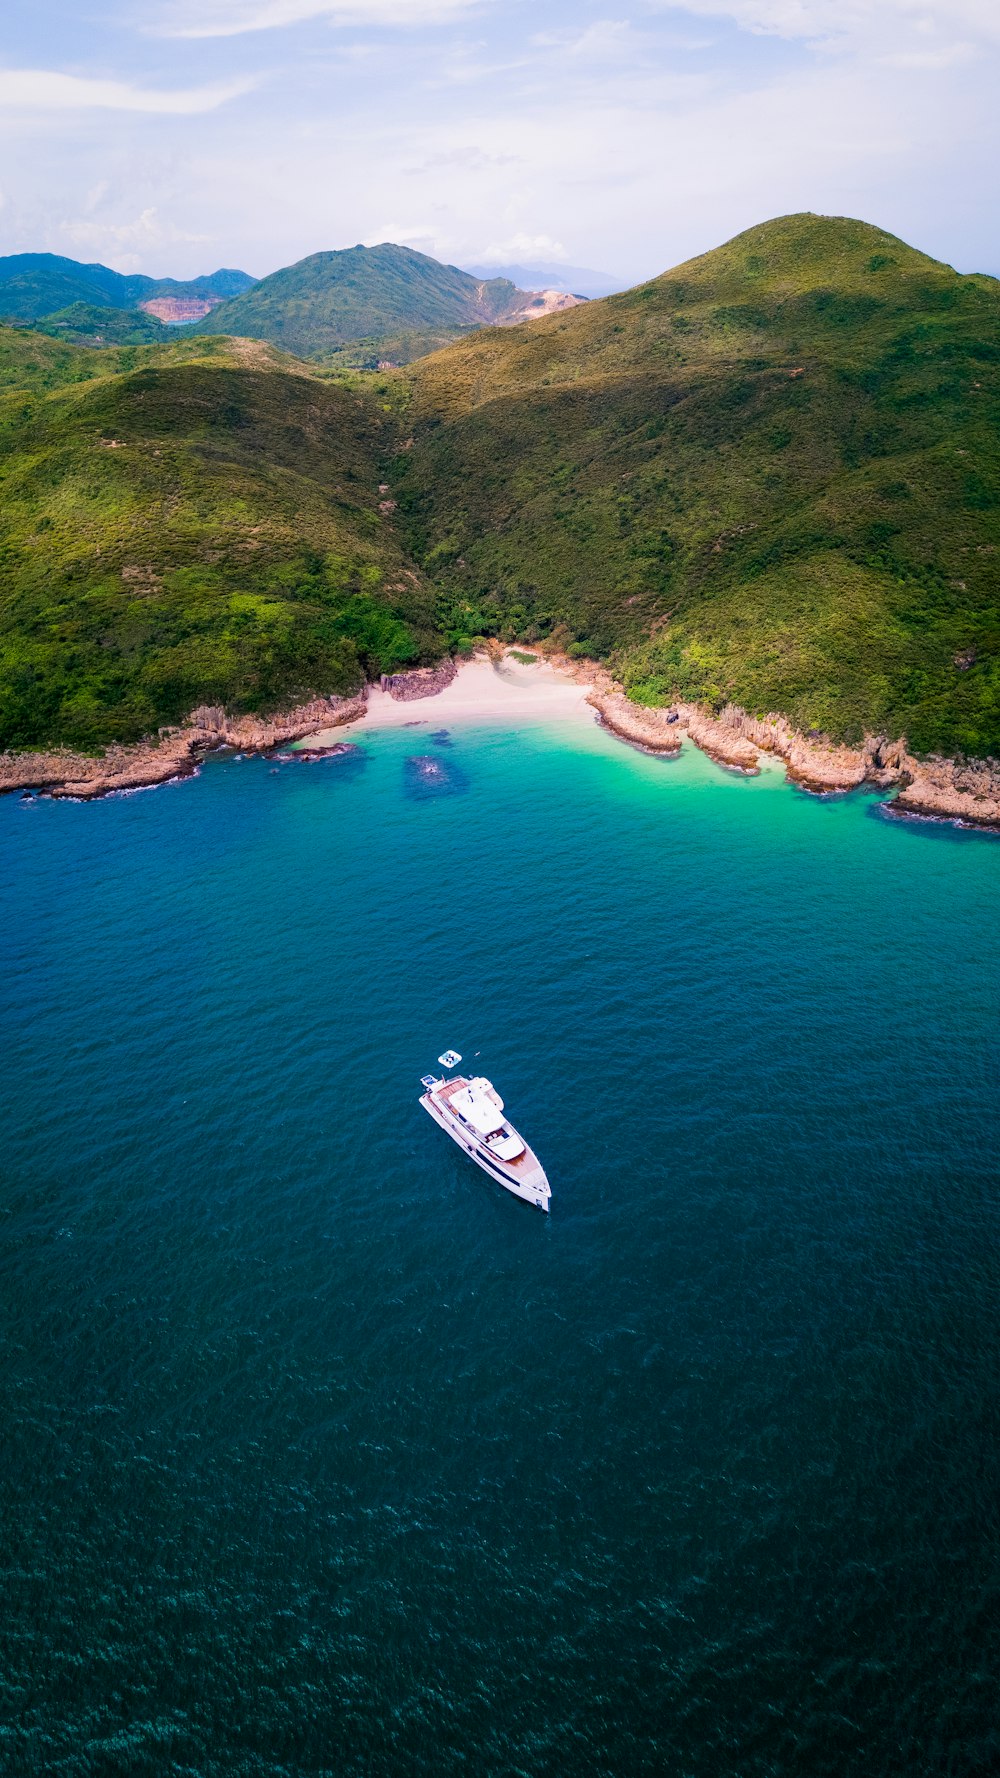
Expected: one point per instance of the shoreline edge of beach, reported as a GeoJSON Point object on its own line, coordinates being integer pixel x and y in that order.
{"type": "Point", "coordinates": [502, 685]}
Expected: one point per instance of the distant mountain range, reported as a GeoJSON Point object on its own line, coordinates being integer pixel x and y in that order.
{"type": "Point", "coordinates": [357, 306]}
{"type": "Point", "coordinates": [374, 304]}
{"type": "Point", "coordinates": [580, 279]}
{"type": "Point", "coordinates": [35, 285]}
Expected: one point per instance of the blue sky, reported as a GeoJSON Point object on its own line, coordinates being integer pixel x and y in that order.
{"type": "Point", "coordinates": [173, 136]}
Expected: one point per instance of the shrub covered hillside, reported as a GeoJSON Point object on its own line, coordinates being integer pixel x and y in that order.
{"type": "Point", "coordinates": [363, 304]}
{"type": "Point", "coordinates": [197, 522]}
{"type": "Point", "coordinates": [771, 475]}
{"type": "Point", "coordinates": [88, 324]}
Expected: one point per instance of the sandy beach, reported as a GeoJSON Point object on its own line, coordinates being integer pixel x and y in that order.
{"type": "Point", "coordinates": [498, 689]}
{"type": "Point", "coordinates": [483, 690]}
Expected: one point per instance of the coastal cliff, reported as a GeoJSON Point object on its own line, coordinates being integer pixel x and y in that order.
{"type": "Point", "coordinates": [942, 789]}
{"type": "Point", "coordinates": [176, 753]}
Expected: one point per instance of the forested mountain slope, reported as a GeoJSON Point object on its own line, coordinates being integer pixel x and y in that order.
{"type": "Point", "coordinates": [382, 302]}
{"type": "Point", "coordinates": [198, 523]}
{"type": "Point", "coordinates": [771, 475]}
{"type": "Point", "coordinates": [33, 285]}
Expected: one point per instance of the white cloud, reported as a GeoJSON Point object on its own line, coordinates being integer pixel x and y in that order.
{"type": "Point", "coordinates": [950, 55]}
{"type": "Point", "coordinates": [127, 245]}
{"type": "Point", "coordinates": [605, 39]}
{"type": "Point", "coordinates": [468, 158]}
{"type": "Point", "coordinates": [852, 20]}
{"type": "Point", "coordinates": [232, 18]}
{"type": "Point", "coordinates": [421, 236]}
{"type": "Point", "coordinates": [521, 246]}
{"type": "Point", "coordinates": [587, 136]}
{"type": "Point", "coordinates": [39, 89]}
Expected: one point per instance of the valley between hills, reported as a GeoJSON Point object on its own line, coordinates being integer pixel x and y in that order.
{"type": "Point", "coordinates": [766, 482]}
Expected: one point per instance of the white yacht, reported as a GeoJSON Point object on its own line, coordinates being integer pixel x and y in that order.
{"type": "Point", "coordinates": [472, 1113]}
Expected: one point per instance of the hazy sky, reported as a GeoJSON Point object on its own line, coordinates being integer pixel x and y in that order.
{"type": "Point", "coordinates": [173, 136]}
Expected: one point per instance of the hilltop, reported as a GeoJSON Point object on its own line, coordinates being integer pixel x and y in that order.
{"type": "Point", "coordinates": [365, 304]}
{"type": "Point", "coordinates": [771, 475]}
{"type": "Point", "coordinates": [196, 523]}
{"type": "Point", "coordinates": [38, 285]}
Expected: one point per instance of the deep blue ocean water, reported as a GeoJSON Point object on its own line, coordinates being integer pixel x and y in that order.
{"type": "Point", "coordinates": [321, 1455]}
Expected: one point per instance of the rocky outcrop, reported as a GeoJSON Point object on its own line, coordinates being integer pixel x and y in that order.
{"type": "Point", "coordinates": [941, 789]}
{"type": "Point", "coordinates": [545, 302]}
{"type": "Point", "coordinates": [813, 761]}
{"type": "Point", "coordinates": [945, 790]}
{"type": "Point", "coordinates": [176, 753]}
{"type": "Point", "coordinates": [724, 742]}
{"type": "Point", "coordinates": [651, 730]}
{"type": "Point", "coordinates": [419, 682]}
{"type": "Point", "coordinates": [663, 731]}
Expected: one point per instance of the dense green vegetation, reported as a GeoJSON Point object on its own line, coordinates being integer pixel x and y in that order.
{"type": "Point", "coordinates": [87, 324]}
{"type": "Point", "coordinates": [771, 475]}
{"type": "Point", "coordinates": [364, 304]}
{"type": "Point", "coordinates": [197, 523]}
{"type": "Point", "coordinates": [33, 285]}
{"type": "Point", "coordinates": [32, 361]}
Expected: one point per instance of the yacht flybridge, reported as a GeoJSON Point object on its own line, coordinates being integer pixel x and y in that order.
{"type": "Point", "coordinates": [472, 1113]}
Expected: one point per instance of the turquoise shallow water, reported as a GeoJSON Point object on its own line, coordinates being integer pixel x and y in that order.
{"type": "Point", "coordinates": [323, 1456]}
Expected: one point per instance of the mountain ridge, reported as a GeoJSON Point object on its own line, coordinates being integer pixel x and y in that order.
{"type": "Point", "coordinates": [35, 285]}
{"type": "Point", "coordinates": [769, 477]}
{"type": "Point", "coordinates": [366, 304]}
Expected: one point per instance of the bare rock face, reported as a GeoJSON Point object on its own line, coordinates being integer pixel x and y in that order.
{"type": "Point", "coordinates": [723, 738]}
{"type": "Point", "coordinates": [649, 729]}
{"type": "Point", "coordinates": [663, 730]}
{"type": "Point", "coordinates": [175, 754]}
{"type": "Point", "coordinates": [546, 302]}
{"type": "Point", "coordinates": [419, 682]}
{"type": "Point", "coordinates": [941, 789]}
{"type": "Point", "coordinates": [948, 790]}
{"type": "Point", "coordinates": [174, 309]}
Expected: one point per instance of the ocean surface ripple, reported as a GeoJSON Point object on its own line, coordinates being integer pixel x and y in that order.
{"type": "Point", "coordinates": [324, 1457]}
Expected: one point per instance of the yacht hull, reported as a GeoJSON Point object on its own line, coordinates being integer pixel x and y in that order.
{"type": "Point", "coordinates": [524, 1177]}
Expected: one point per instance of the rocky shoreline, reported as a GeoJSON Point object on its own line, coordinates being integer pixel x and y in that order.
{"type": "Point", "coordinates": [935, 789]}
{"type": "Point", "coordinates": [176, 753]}
{"type": "Point", "coordinates": [939, 789]}
{"type": "Point", "coordinates": [419, 682]}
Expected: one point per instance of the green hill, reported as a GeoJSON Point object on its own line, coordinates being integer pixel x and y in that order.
{"type": "Point", "coordinates": [771, 475]}
{"type": "Point", "coordinates": [365, 304]}
{"type": "Point", "coordinates": [198, 522]}
{"type": "Point", "coordinates": [88, 324]}
{"type": "Point", "coordinates": [33, 285]}
{"type": "Point", "coordinates": [31, 361]}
